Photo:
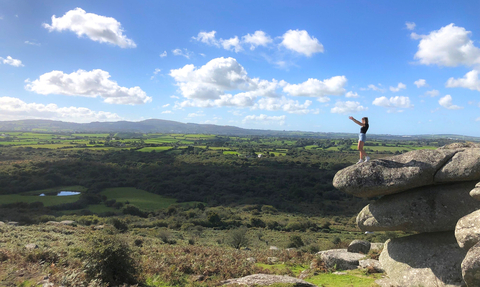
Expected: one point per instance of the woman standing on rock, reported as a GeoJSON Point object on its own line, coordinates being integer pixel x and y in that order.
{"type": "Point", "coordinates": [362, 138]}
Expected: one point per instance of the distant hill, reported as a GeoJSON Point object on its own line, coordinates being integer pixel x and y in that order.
{"type": "Point", "coordinates": [165, 126]}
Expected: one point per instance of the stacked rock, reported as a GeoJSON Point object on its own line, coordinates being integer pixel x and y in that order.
{"type": "Point", "coordinates": [426, 192]}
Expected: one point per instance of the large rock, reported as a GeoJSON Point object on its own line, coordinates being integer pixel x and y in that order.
{"type": "Point", "coordinates": [424, 209]}
{"type": "Point", "coordinates": [475, 193]}
{"type": "Point", "coordinates": [340, 258]}
{"type": "Point", "coordinates": [359, 246]}
{"type": "Point", "coordinates": [428, 259]}
{"type": "Point", "coordinates": [392, 175]}
{"type": "Point", "coordinates": [266, 280]}
{"type": "Point", "coordinates": [471, 266]}
{"type": "Point", "coordinates": [463, 166]}
{"type": "Point", "coordinates": [467, 230]}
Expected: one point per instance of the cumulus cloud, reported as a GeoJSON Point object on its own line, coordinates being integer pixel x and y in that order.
{"type": "Point", "coordinates": [351, 95]}
{"type": "Point", "coordinates": [197, 114]}
{"type": "Point", "coordinates": [393, 102]}
{"type": "Point", "coordinates": [399, 87]}
{"type": "Point", "coordinates": [16, 109]}
{"type": "Point", "coordinates": [166, 105]}
{"type": "Point", "coordinates": [259, 38]}
{"type": "Point", "coordinates": [432, 93]}
{"type": "Point", "coordinates": [96, 27]}
{"type": "Point", "coordinates": [348, 107]}
{"type": "Point", "coordinates": [185, 53]}
{"type": "Point", "coordinates": [163, 55]}
{"type": "Point", "coordinates": [11, 61]}
{"type": "Point", "coordinates": [207, 38]}
{"type": "Point", "coordinates": [283, 104]}
{"type": "Point", "coordinates": [446, 102]}
{"type": "Point", "coordinates": [420, 83]}
{"type": "Point", "coordinates": [167, 112]}
{"type": "Point", "coordinates": [301, 42]}
{"type": "Point", "coordinates": [469, 81]}
{"type": "Point", "coordinates": [449, 46]}
{"type": "Point", "coordinates": [265, 120]}
{"type": "Point", "coordinates": [319, 89]}
{"type": "Point", "coordinates": [410, 25]}
{"type": "Point", "coordinates": [232, 44]}
{"type": "Point", "coordinates": [95, 83]}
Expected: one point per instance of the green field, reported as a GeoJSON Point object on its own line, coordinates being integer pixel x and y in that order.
{"type": "Point", "coordinates": [33, 196]}
{"type": "Point", "coordinates": [140, 198]}
{"type": "Point", "coordinates": [155, 148]}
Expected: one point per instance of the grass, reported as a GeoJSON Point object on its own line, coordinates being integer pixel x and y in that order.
{"type": "Point", "coordinates": [353, 278]}
{"type": "Point", "coordinates": [33, 196]}
{"type": "Point", "coordinates": [140, 198]}
{"type": "Point", "coordinates": [156, 148]}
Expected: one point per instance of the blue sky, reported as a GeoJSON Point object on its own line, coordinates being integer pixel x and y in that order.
{"type": "Point", "coordinates": [412, 67]}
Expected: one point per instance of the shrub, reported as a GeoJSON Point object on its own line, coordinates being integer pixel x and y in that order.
{"type": "Point", "coordinates": [269, 209]}
{"type": "Point", "coordinates": [108, 260]}
{"type": "Point", "coordinates": [119, 224]}
{"type": "Point", "coordinates": [238, 238]}
{"type": "Point", "coordinates": [295, 242]}
{"type": "Point", "coordinates": [257, 222]}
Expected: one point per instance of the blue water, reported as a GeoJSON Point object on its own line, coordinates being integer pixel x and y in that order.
{"type": "Point", "coordinates": [67, 193]}
{"type": "Point", "coordinates": [64, 193]}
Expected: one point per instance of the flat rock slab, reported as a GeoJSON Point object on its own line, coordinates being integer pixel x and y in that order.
{"type": "Point", "coordinates": [427, 259]}
{"type": "Point", "coordinates": [424, 209]}
{"type": "Point", "coordinates": [376, 246]}
{"type": "Point", "coordinates": [463, 166]}
{"type": "Point", "coordinates": [471, 266]}
{"type": "Point", "coordinates": [392, 175]}
{"type": "Point", "coordinates": [266, 280]}
{"type": "Point", "coordinates": [475, 193]}
{"type": "Point", "coordinates": [340, 258]}
{"type": "Point", "coordinates": [467, 230]}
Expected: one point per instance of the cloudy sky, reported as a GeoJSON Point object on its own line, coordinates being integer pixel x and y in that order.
{"type": "Point", "coordinates": [412, 67]}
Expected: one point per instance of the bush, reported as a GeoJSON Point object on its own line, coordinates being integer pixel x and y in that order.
{"type": "Point", "coordinates": [108, 260]}
{"type": "Point", "coordinates": [119, 224]}
{"type": "Point", "coordinates": [295, 242]}
{"type": "Point", "coordinates": [238, 238]}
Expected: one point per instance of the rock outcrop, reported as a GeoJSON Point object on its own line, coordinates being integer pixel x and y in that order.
{"type": "Point", "coordinates": [359, 246]}
{"type": "Point", "coordinates": [428, 191]}
{"type": "Point", "coordinates": [341, 259]}
{"type": "Point", "coordinates": [266, 280]}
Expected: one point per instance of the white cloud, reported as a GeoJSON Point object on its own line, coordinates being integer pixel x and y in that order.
{"type": "Point", "coordinates": [232, 44]}
{"type": "Point", "coordinates": [207, 38]}
{"type": "Point", "coordinates": [432, 93]}
{"type": "Point", "coordinates": [301, 42]}
{"type": "Point", "coordinates": [284, 104]}
{"type": "Point", "coordinates": [96, 27]}
{"type": "Point", "coordinates": [95, 83]}
{"type": "Point", "coordinates": [157, 70]}
{"type": "Point", "coordinates": [185, 53]}
{"type": "Point", "coordinates": [259, 38]}
{"type": "Point", "coordinates": [351, 95]}
{"type": "Point", "coordinates": [449, 46]}
{"type": "Point", "coordinates": [373, 88]}
{"type": "Point", "coordinates": [167, 112]}
{"type": "Point", "coordinates": [420, 83]}
{"type": "Point", "coordinates": [477, 119]}
{"type": "Point", "coordinates": [32, 43]}
{"type": "Point", "coordinates": [469, 81]}
{"type": "Point", "coordinates": [11, 61]}
{"type": "Point", "coordinates": [316, 88]}
{"type": "Point", "coordinates": [393, 102]}
{"type": "Point", "coordinates": [199, 114]}
{"type": "Point", "coordinates": [16, 109]}
{"type": "Point", "coordinates": [166, 105]}
{"type": "Point", "coordinates": [174, 97]}
{"type": "Point", "coordinates": [347, 107]}
{"type": "Point", "coordinates": [399, 87]}
{"type": "Point", "coordinates": [410, 25]}
{"type": "Point", "coordinates": [264, 119]}
{"type": "Point", "coordinates": [446, 102]}
{"type": "Point", "coordinates": [164, 54]}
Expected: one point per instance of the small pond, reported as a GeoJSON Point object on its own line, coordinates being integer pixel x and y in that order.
{"type": "Point", "coordinates": [63, 193]}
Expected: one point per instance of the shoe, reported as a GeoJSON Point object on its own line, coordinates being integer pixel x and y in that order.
{"type": "Point", "coordinates": [367, 158]}
{"type": "Point", "coordinates": [359, 161]}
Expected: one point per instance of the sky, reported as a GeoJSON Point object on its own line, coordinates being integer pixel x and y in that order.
{"type": "Point", "coordinates": [411, 67]}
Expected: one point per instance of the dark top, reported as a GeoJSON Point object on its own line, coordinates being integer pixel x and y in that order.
{"type": "Point", "coordinates": [364, 129]}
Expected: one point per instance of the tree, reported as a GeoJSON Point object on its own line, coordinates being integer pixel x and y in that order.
{"type": "Point", "coordinates": [238, 238]}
